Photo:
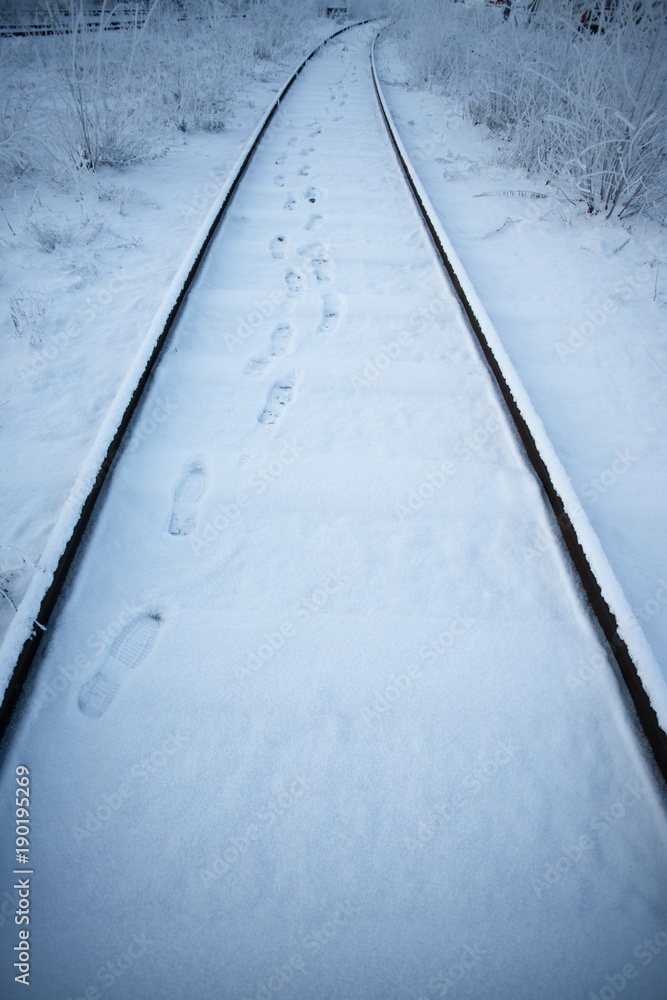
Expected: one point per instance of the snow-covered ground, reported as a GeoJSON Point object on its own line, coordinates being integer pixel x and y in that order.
{"type": "Point", "coordinates": [87, 259]}
{"type": "Point", "coordinates": [305, 723]}
{"type": "Point", "coordinates": [581, 308]}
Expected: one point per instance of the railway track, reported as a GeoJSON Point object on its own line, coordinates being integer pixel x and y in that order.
{"type": "Point", "coordinates": [542, 458]}
{"type": "Point", "coordinates": [302, 638]}
{"type": "Point", "coordinates": [20, 647]}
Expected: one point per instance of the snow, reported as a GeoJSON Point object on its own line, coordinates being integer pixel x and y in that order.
{"type": "Point", "coordinates": [124, 252]}
{"type": "Point", "coordinates": [375, 749]}
{"type": "Point", "coordinates": [652, 677]}
{"type": "Point", "coordinates": [577, 308]}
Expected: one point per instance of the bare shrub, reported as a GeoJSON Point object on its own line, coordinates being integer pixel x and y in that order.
{"type": "Point", "coordinates": [193, 64]}
{"type": "Point", "coordinates": [586, 108]}
{"type": "Point", "coordinates": [15, 109]}
{"type": "Point", "coordinates": [27, 309]}
{"type": "Point", "coordinates": [100, 97]}
{"type": "Point", "coordinates": [96, 108]}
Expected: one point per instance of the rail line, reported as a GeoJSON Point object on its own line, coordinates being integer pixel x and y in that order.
{"type": "Point", "coordinates": [37, 607]}
{"type": "Point", "coordinates": [599, 605]}
{"type": "Point", "coordinates": [522, 419]}
{"type": "Point", "coordinates": [300, 647]}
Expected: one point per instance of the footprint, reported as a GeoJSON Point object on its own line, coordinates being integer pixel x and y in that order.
{"type": "Point", "coordinates": [279, 181]}
{"type": "Point", "coordinates": [306, 151]}
{"type": "Point", "coordinates": [341, 104]}
{"type": "Point", "coordinates": [277, 247]}
{"type": "Point", "coordinates": [279, 396]}
{"type": "Point", "coordinates": [315, 132]}
{"type": "Point", "coordinates": [338, 118]}
{"type": "Point", "coordinates": [256, 365]}
{"type": "Point", "coordinates": [319, 260]}
{"type": "Point", "coordinates": [304, 170]}
{"type": "Point", "coordinates": [127, 651]}
{"type": "Point", "coordinates": [313, 222]}
{"type": "Point", "coordinates": [311, 195]}
{"type": "Point", "coordinates": [291, 141]}
{"type": "Point", "coordinates": [280, 340]}
{"type": "Point", "coordinates": [281, 159]}
{"type": "Point", "coordinates": [294, 281]}
{"type": "Point", "coordinates": [290, 204]}
{"type": "Point", "coordinates": [187, 495]}
{"type": "Point", "coordinates": [330, 313]}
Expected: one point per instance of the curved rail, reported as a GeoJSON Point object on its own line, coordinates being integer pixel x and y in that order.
{"type": "Point", "coordinates": [583, 546]}
{"type": "Point", "coordinates": [25, 633]}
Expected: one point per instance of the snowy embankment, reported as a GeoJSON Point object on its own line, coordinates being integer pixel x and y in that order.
{"type": "Point", "coordinates": [579, 305]}
{"type": "Point", "coordinates": [92, 264]}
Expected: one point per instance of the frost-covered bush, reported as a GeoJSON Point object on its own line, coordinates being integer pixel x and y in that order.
{"type": "Point", "coordinates": [27, 310]}
{"type": "Point", "coordinates": [98, 97]}
{"type": "Point", "coordinates": [16, 101]}
{"type": "Point", "coordinates": [587, 108]}
{"type": "Point", "coordinates": [276, 26]}
{"type": "Point", "coordinates": [15, 137]}
{"type": "Point", "coordinates": [97, 114]}
{"type": "Point", "coordinates": [193, 63]}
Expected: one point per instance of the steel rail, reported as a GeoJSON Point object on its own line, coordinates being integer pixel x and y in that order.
{"type": "Point", "coordinates": [601, 610]}
{"type": "Point", "coordinates": [53, 590]}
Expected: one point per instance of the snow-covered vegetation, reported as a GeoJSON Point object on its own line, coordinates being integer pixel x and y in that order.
{"type": "Point", "coordinates": [576, 91]}
{"type": "Point", "coordinates": [114, 145]}
{"type": "Point", "coordinates": [88, 96]}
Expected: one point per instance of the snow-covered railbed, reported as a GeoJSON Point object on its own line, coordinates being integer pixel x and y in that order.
{"type": "Point", "coordinates": [309, 721]}
{"type": "Point", "coordinates": [91, 264]}
{"type": "Point", "coordinates": [579, 305]}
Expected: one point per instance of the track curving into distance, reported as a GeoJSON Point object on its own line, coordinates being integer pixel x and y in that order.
{"type": "Point", "coordinates": [322, 712]}
{"type": "Point", "coordinates": [599, 604]}
{"type": "Point", "coordinates": [49, 587]}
